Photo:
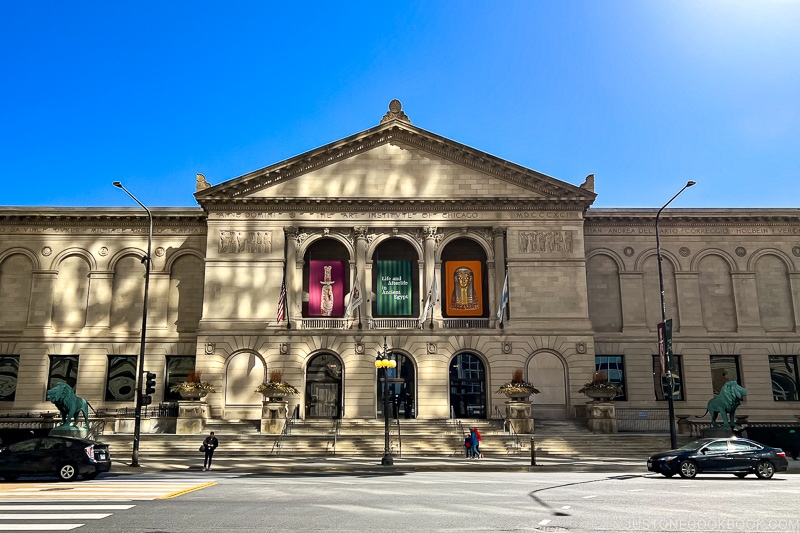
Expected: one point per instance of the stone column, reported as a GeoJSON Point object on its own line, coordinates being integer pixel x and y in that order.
{"type": "Point", "coordinates": [429, 269]}
{"type": "Point", "coordinates": [293, 292]}
{"type": "Point", "coordinates": [361, 271]}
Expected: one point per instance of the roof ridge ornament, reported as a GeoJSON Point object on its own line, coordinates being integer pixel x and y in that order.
{"type": "Point", "coordinates": [395, 112]}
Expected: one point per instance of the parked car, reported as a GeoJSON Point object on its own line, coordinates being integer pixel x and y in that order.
{"type": "Point", "coordinates": [64, 457]}
{"type": "Point", "coordinates": [720, 456]}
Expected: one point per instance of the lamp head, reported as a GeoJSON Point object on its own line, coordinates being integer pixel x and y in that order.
{"type": "Point", "coordinates": [690, 183]}
{"type": "Point", "coordinates": [117, 184]}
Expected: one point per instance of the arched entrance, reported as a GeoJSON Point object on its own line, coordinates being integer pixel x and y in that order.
{"type": "Point", "coordinates": [324, 387]}
{"type": "Point", "coordinates": [467, 387]}
{"type": "Point", "coordinates": [402, 396]}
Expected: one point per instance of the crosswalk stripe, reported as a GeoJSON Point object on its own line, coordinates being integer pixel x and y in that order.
{"type": "Point", "coordinates": [54, 516]}
{"type": "Point", "coordinates": [64, 507]}
{"type": "Point", "coordinates": [39, 527]}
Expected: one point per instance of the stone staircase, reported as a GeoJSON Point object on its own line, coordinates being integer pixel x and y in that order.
{"type": "Point", "coordinates": [365, 437]}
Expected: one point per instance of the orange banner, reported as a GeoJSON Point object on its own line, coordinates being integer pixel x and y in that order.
{"type": "Point", "coordinates": [464, 288]}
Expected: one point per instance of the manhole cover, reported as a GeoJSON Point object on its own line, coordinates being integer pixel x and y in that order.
{"type": "Point", "coordinates": [552, 528]}
{"type": "Point", "coordinates": [56, 488]}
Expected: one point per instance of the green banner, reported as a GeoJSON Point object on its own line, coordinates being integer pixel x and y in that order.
{"type": "Point", "coordinates": [394, 288]}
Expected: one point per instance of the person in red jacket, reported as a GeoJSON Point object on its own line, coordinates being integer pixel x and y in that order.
{"type": "Point", "coordinates": [476, 440]}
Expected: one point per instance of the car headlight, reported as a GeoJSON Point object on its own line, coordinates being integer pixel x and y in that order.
{"type": "Point", "coordinates": [670, 458]}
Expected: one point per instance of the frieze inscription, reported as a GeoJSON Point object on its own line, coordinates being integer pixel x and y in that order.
{"type": "Point", "coordinates": [245, 242]}
{"type": "Point", "coordinates": [545, 242]}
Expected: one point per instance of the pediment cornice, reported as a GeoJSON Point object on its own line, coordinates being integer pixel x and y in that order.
{"type": "Point", "coordinates": [393, 131]}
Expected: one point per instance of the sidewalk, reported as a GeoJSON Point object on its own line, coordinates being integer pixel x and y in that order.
{"type": "Point", "coordinates": [341, 464]}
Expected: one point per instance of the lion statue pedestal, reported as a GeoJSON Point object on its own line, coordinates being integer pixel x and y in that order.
{"type": "Point", "coordinates": [69, 431]}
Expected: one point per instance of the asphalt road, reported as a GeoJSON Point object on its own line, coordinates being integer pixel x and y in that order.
{"type": "Point", "coordinates": [464, 501]}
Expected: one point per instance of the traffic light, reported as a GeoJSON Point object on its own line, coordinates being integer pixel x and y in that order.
{"type": "Point", "coordinates": [149, 388]}
{"type": "Point", "coordinates": [150, 383]}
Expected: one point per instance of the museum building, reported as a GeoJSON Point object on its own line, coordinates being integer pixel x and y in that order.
{"type": "Point", "coordinates": [464, 267]}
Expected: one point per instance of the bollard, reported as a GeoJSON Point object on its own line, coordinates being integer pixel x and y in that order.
{"type": "Point", "coordinates": [533, 452]}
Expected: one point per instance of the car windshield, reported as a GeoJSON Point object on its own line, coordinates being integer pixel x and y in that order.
{"type": "Point", "coordinates": [695, 445]}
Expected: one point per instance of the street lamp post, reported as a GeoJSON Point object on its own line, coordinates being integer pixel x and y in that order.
{"type": "Point", "coordinates": [137, 425]}
{"type": "Point", "coordinates": [383, 361]}
{"type": "Point", "coordinates": [668, 345]}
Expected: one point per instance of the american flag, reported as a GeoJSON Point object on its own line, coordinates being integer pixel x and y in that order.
{"type": "Point", "coordinates": [282, 302]}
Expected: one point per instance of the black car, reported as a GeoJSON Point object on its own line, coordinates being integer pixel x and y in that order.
{"type": "Point", "coordinates": [720, 456]}
{"type": "Point", "coordinates": [64, 457]}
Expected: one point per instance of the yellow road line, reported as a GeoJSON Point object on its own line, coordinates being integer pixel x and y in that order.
{"type": "Point", "coordinates": [186, 491]}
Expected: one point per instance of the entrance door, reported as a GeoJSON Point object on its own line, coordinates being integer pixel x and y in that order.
{"type": "Point", "coordinates": [324, 387]}
{"type": "Point", "coordinates": [401, 395]}
{"type": "Point", "coordinates": [467, 387]}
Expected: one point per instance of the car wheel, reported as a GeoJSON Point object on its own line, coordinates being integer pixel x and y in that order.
{"type": "Point", "coordinates": [740, 476]}
{"type": "Point", "coordinates": [687, 469]}
{"type": "Point", "coordinates": [67, 472]}
{"type": "Point", "coordinates": [765, 470]}
{"type": "Point", "coordinates": [90, 475]}
{"type": "Point", "coordinates": [667, 474]}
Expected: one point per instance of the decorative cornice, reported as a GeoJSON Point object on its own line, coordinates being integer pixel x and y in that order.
{"type": "Point", "coordinates": [101, 217]}
{"type": "Point", "coordinates": [721, 216]}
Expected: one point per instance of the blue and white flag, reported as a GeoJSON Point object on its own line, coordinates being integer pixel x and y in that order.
{"type": "Point", "coordinates": [503, 301]}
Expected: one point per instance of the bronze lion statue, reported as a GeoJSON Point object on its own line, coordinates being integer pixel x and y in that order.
{"type": "Point", "coordinates": [69, 404]}
{"type": "Point", "coordinates": [725, 403]}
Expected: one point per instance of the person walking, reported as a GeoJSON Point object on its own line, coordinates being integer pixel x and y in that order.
{"type": "Point", "coordinates": [476, 439]}
{"type": "Point", "coordinates": [211, 444]}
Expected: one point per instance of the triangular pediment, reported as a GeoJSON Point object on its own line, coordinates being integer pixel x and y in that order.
{"type": "Point", "coordinates": [395, 162]}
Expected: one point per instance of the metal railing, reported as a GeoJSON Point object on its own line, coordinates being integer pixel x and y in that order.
{"type": "Point", "coordinates": [399, 438]}
{"type": "Point", "coordinates": [393, 323]}
{"type": "Point", "coordinates": [509, 428]}
{"type": "Point", "coordinates": [465, 323]}
{"type": "Point", "coordinates": [335, 430]}
{"type": "Point", "coordinates": [651, 420]}
{"type": "Point", "coordinates": [162, 410]}
{"type": "Point", "coordinates": [323, 323]}
{"type": "Point", "coordinates": [460, 450]}
{"type": "Point", "coordinates": [285, 432]}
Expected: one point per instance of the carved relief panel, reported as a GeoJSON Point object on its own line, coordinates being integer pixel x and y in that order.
{"type": "Point", "coordinates": [245, 242]}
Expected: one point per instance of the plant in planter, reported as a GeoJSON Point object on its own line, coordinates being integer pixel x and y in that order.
{"type": "Point", "coordinates": [276, 387]}
{"type": "Point", "coordinates": [600, 388]}
{"type": "Point", "coordinates": [518, 388]}
{"type": "Point", "coordinates": [194, 387]}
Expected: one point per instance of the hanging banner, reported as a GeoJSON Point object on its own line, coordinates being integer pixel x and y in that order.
{"type": "Point", "coordinates": [464, 288]}
{"type": "Point", "coordinates": [394, 288]}
{"type": "Point", "coordinates": [326, 288]}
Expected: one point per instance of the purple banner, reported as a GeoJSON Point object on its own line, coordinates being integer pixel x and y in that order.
{"type": "Point", "coordinates": [326, 288]}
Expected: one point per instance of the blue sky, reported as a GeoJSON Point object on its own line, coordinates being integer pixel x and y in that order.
{"type": "Point", "coordinates": [644, 94]}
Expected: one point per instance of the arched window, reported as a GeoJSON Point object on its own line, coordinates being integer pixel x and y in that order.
{"type": "Point", "coordinates": [326, 279]}
{"type": "Point", "coordinates": [465, 287]}
{"type": "Point", "coordinates": [324, 387]}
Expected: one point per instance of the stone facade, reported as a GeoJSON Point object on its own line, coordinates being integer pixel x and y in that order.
{"type": "Point", "coordinates": [583, 289]}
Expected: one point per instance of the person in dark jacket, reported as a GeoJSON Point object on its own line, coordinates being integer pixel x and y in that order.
{"type": "Point", "coordinates": [211, 444]}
